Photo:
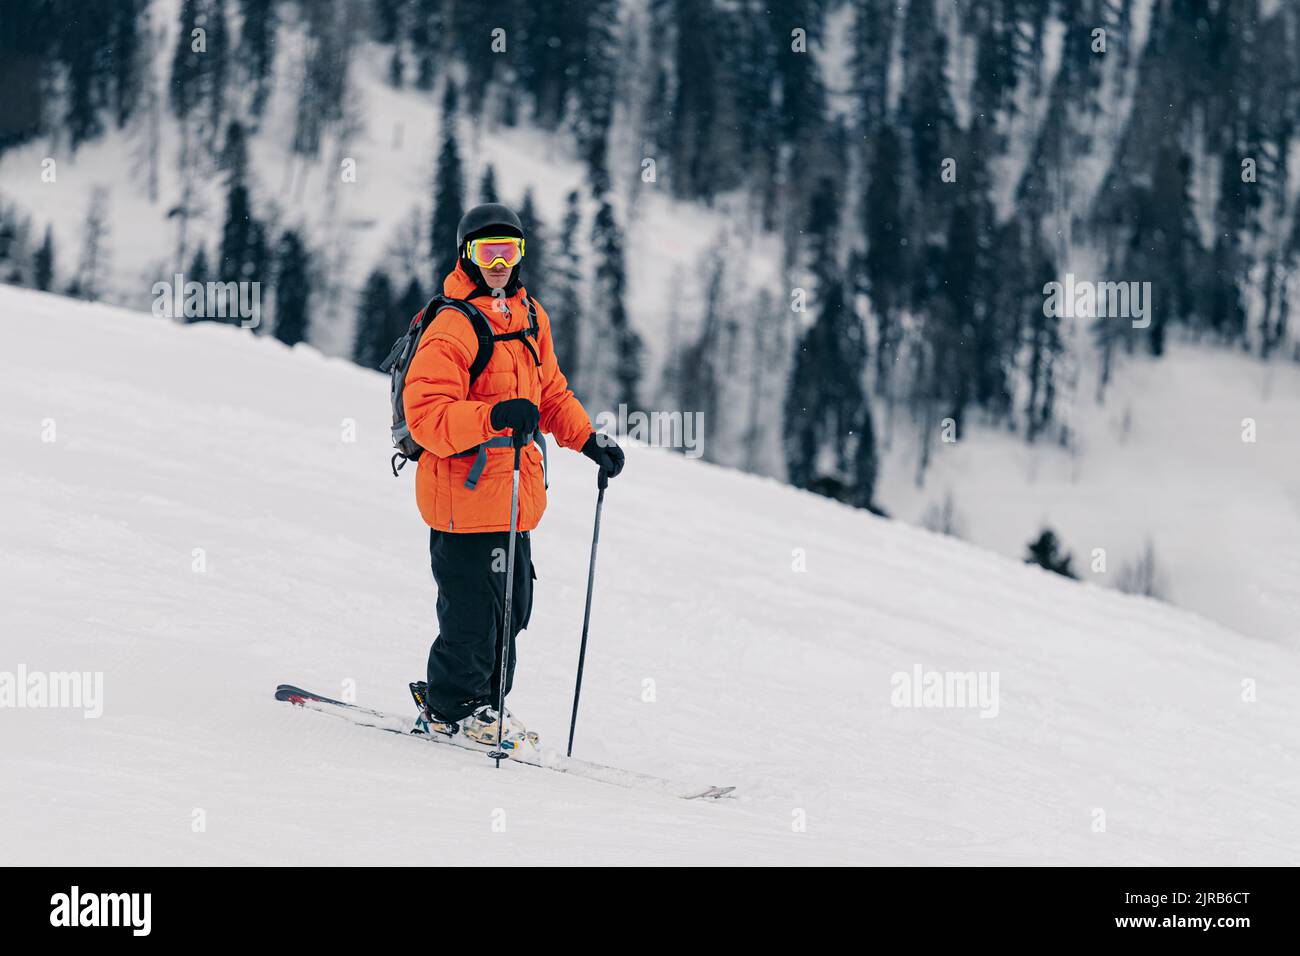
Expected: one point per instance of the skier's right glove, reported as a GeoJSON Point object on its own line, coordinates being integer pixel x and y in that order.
{"type": "Point", "coordinates": [518, 414]}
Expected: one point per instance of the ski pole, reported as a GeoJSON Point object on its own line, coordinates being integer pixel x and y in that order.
{"type": "Point", "coordinates": [602, 482]}
{"type": "Point", "coordinates": [518, 442]}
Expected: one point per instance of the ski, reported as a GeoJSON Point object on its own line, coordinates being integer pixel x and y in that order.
{"type": "Point", "coordinates": [542, 759]}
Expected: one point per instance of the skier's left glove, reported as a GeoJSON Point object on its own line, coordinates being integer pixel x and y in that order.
{"type": "Point", "coordinates": [606, 454]}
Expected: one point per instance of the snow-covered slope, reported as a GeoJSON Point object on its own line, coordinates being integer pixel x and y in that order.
{"type": "Point", "coordinates": [712, 658]}
{"type": "Point", "coordinates": [1197, 453]}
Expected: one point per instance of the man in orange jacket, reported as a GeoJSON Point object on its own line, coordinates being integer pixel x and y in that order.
{"type": "Point", "coordinates": [464, 480]}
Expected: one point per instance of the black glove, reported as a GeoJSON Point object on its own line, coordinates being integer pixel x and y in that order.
{"type": "Point", "coordinates": [518, 414]}
{"type": "Point", "coordinates": [606, 454]}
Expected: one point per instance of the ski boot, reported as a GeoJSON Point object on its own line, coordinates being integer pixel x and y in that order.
{"type": "Point", "coordinates": [427, 722]}
{"type": "Point", "coordinates": [481, 727]}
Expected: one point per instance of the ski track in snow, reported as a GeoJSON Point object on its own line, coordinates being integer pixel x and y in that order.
{"type": "Point", "coordinates": [776, 681]}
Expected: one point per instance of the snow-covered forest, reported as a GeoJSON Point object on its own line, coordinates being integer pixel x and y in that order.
{"type": "Point", "coordinates": [826, 228]}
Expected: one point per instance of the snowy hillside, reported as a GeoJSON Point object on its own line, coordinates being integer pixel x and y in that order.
{"type": "Point", "coordinates": [1119, 733]}
{"type": "Point", "coordinates": [1197, 454]}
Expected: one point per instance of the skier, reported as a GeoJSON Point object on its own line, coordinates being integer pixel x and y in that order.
{"type": "Point", "coordinates": [464, 480]}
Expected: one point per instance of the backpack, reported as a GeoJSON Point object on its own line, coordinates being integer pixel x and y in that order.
{"type": "Point", "coordinates": [403, 351]}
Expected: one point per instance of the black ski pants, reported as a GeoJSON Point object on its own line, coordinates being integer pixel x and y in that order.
{"type": "Point", "coordinates": [465, 659]}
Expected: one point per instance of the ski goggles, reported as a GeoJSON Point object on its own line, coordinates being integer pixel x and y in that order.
{"type": "Point", "coordinates": [486, 253]}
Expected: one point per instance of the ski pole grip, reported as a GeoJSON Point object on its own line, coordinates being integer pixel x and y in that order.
{"type": "Point", "coordinates": [602, 479]}
{"type": "Point", "coordinates": [519, 439]}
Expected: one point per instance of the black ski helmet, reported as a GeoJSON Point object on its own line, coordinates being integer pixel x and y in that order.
{"type": "Point", "coordinates": [487, 219]}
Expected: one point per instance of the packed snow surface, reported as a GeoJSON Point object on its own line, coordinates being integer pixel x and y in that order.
{"type": "Point", "coordinates": [197, 515]}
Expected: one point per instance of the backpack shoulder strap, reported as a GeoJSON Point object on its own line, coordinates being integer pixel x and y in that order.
{"type": "Point", "coordinates": [478, 322]}
{"type": "Point", "coordinates": [532, 316]}
{"type": "Point", "coordinates": [524, 334]}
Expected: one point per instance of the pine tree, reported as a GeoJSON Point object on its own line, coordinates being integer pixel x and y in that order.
{"type": "Point", "coordinates": [548, 51]}
{"type": "Point", "coordinates": [426, 29]}
{"type": "Point", "coordinates": [702, 366]}
{"type": "Point", "coordinates": [535, 264]}
{"type": "Point", "coordinates": [243, 253]}
{"type": "Point", "coordinates": [752, 57]}
{"type": "Point", "coordinates": [1043, 341]}
{"type": "Point", "coordinates": [292, 289]}
{"type": "Point", "coordinates": [1045, 551]}
{"type": "Point", "coordinates": [216, 65]}
{"type": "Point", "coordinates": [396, 69]}
{"type": "Point", "coordinates": [765, 331]}
{"type": "Point", "coordinates": [187, 65]}
{"type": "Point", "coordinates": [93, 269]}
{"type": "Point", "coordinates": [82, 52]}
{"type": "Point", "coordinates": [926, 109]}
{"type": "Point", "coordinates": [409, 305]}
{"type": "Point", "coordinates": [874, 23]}
{"type": "Point", "coordinates": [201, 272]}
{"type": "Point", "coordinates": [1234, 217]}
{"type": "Point", "coordinates": [464, 20]}
{"type": "Point", "coordinates": [885, 260]}
{"type": "Point", "coordinates": [235, 234]}
{"type": "Point", "coordinates": [324, 80]}
{"type": "Point", "coordinates": [257, 38]}
{"type": "Point", "coordinates": [829, 436]}
{"type": "Point", "coordinates": [988, 329]}
{"type": "Point", "coordinates": [43, 262]}
{"type": "Point", "coordinates": [123, 53]}
{"type": "Point", "coordinates": [1173, 245]}
{"type": "Point", "coordinates": [596, 90]}
{"type": "Point", "coordinates": [29, 45]}
{"type": "Point", "coordinates": [693, 114]}
{"type": "Point", "coordinates": [15, 260]}
{"type": "Point", "coordinates": [487, 186]}
{"type": "Point", "coordinates": [386, 24]}
{"type": "Point", "coordinates": [449, 192]}
{"type": "Point", "coordinates": [803, 98]}
{"type": "Point", "coordinates": [564, 294]}
{"type": "Point", "coordinates": [234, 153]}
{"type": "Point", "coordinates": [378, 321]}
{"type": "Point", "coordinates": [610, 286]}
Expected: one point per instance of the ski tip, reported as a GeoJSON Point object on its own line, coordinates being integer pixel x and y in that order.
{"type": "Point", "coordinates": [295, 695]}
{"type": "Point", "coordinates": [712, 793]}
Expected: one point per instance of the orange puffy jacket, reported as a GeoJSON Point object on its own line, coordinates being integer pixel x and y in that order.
{"type": "Point", "coordinates": [446, 415]}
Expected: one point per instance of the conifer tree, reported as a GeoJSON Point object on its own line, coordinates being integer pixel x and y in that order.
{"type": "Point", "coordinates": [378, 321]}
{"type": "Point", "coordinates": [487, 185]}
{"type": "Point", "coordinates": [535, 269]}
{"type": "Point", "coordinates": [292, 289]}
{"type": "Point", "coordinates": [43, 262]}
{"type": "Point", "coordinates": [449, 192]}
{"type": "Point", "coordinates": [829, 437]}
{"type": "Point", "coordinates": [564, 293]}
{"type": "Point", "coordinates": [610, 287]}
{"type": "Point", "coordinates": [1045, 551]}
